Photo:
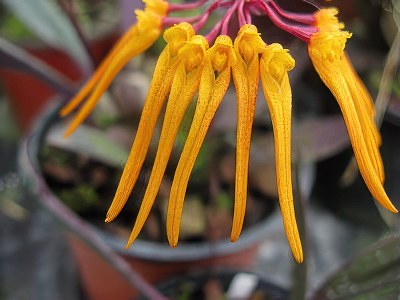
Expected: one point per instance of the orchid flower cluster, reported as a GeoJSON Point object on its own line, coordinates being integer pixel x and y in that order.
{"type": "Point", "coordinates": [193, 63]}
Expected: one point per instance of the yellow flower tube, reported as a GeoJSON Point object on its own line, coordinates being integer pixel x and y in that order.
{"type": "Point", "coordinates": [274, 66]}
{"type": "Point", "coordinates": [212, 89]}
{"type": "Point", "coordinates": [153, 7]}
{"type": "Point", "coordinates": [185, 84]}
{"type": "Point", "coordinates": [140, 37]}
{"type": "Point", "coordinates": [326, 53]}
{"type": "Point", "coordinates": [159, 88]}
{"type": "Point", "coordinates": [326, 21]}
{"type": "Point", "coordinates": [248, 45]}
{"type": "Point", "coordinates": [365, 111]}
{"type": "Point", "coordinates": [96, 77]}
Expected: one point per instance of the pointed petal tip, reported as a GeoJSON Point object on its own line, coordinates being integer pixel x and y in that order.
{"type": "Point", "coordinates": [63, 112]}
{"type": "Point", "coordinates": [68, 133]}
{"type": "Point", "coordinates": [173, 243]}
{"type": "Point", "coordinates": [299, 257]}
{"type": "Point", "coordinates": [71, 129]}
{"type": "Point", "coordinates": [70, 106]}
{"type": "Point", "coordinates": [393, 209]}
{"type": "Point", "coordinates": [234, 237]}
{"type": "Point", "coordinates": [297, 251]}
{"type": "Point", "coordinates": [110, 216]}
{"type": "Point", "coordinates": [172, 235]}
{"type": "Point", "coordinates": [236, 229]}
{"type": "Point", "coordinates": [386, 203]}
{"type": "Point", "coordinates": [131, 240]}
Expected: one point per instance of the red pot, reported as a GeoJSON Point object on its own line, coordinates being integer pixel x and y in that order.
{"type": "Point", "coordinates": [102, 281]}
{"type": "Point", "coordinates": [155, 262]}
{"type": "Point", "coordinates": [28, 95]}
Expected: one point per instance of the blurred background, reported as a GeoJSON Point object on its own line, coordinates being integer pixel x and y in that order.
{"type": "Point", "coordinates": [54, 193]}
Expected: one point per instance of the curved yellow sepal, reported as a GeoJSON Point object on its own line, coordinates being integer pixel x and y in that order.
{"type": "Point", "coordinates": [326, 52]}
{"type": "Point", "coordinates": [159, 88]}
{"type": "Point", "coordinates": [327, 22]}
{"type": "Point", "coordinates": [365, 111]}
{"type": "Point", "coordinates": [87, 88]}
{"type": "Point", "coordinates": [212, 89]}
{"type": "Point", "coordinates": [185, 84]}
{"type": "Point", "coordinates": [248, 45]}
{"type": "Point", "coordinates": [140, 37]}
{"type": "Point", "coordinates": [274, 66]}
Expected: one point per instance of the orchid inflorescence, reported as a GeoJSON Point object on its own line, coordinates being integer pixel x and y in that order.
{"type": "Point", "coordinates": [192, 63]}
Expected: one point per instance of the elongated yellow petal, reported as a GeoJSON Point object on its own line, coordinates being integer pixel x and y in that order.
{"type": "Point", "coordinates": [219, 59]}
{"type": "Point", "coordinates": [248, 45]}
{"type": "Point", "coordinates": [158, 91]}
{"type": "Point", "coordinates": [326, 21]}
{"type": "Point", "coordinates": [326, 52]}
{"type": "Point", "coordinates": [157, 7]}
{"type": "Point", "coordinates": [184, 86]}
{"type": "Point", "coordinates": [365, 111]}
{"type": "Point", "coordinates": [142, 37]}
{"type": "Point", "coordinates": [352, 77]}
{"type": "Point", "coordinates": [87, 88]}
{"type": "Point", "coordinates": [274, 66]}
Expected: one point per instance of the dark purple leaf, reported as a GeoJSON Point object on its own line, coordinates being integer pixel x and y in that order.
{"type": "Point", "coordinates": [13, 57]}
{"type": "Point", "coordinates": [373, 274]}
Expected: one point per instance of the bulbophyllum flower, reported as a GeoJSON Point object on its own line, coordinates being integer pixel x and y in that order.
{"type": "Point", "coordinates": [193, 63]}
{"type": "Point", "coordinates": [135, 41]}
{"type": "Point", "coordinates": [326, 50]}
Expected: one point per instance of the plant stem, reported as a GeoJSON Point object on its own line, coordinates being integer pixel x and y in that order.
{"type": "Point", "coordinates": [299, 271]}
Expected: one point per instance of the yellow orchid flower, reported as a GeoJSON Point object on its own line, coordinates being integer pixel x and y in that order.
{"type": "Point", "coordinates": [326, 49]}
{"type": "Point", "coordinates": [275, 64]}
{"type": "Point", "coordinates": [135, 41]}
{"type": "Point", "coordinates": [160, 86]}
{"type": "Point", "coordinates": [248, 45]}
{"type": "Point", "coordinates": [218, 59]}
{"type": "Point", "coordinates": [185, 84]}
{"type": "Point", "coordinates": [187, 65]}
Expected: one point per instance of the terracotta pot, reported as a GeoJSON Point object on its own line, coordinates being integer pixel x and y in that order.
{"type": "Point", "coordinates": [221, 283]}
{"type": "Point", "coordinates": [154, 261]}
{"type": "Point", "coordinates": [28, 95]}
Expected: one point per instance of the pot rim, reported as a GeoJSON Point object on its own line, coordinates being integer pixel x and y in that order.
{"type": "Point", "coordinates": [29, 168]}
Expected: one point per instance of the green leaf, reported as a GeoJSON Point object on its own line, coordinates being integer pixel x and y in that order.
{"type": "Point", "coordinates": [396, 12]}
{"type": "Point", "coordinates": [89, 141]}
{"type": "Point", "coordinates": [8, 128]}
{"type": "Point", "coordinates": [51, 25]}
{"type": "Point", "coordinates": [374, 274]}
